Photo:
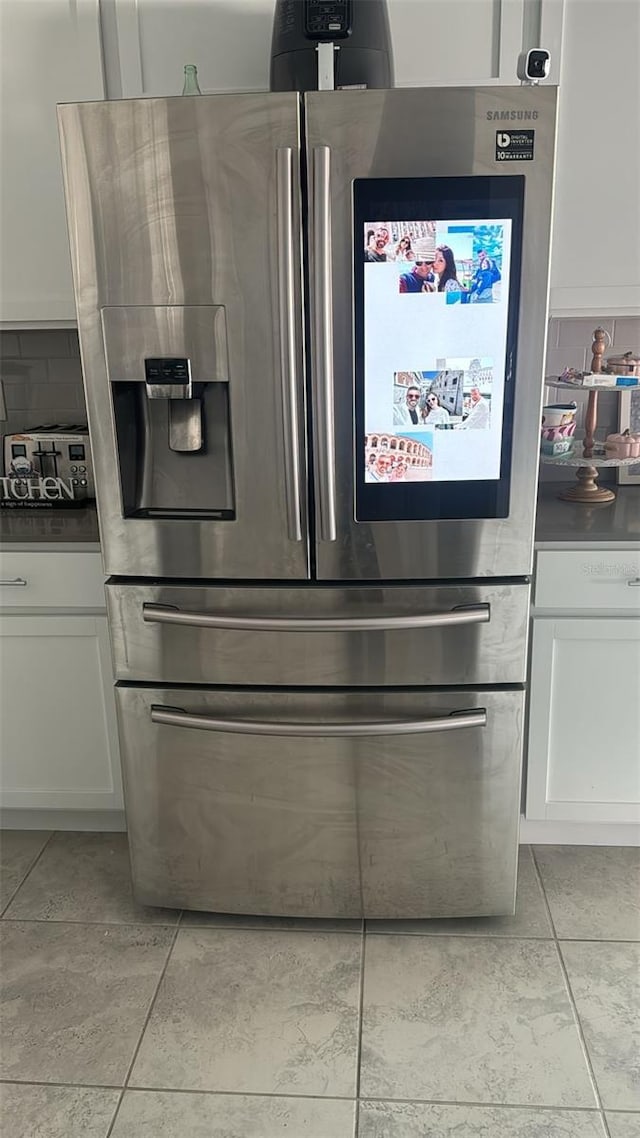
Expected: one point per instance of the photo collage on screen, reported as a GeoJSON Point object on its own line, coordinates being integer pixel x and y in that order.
{"type": "Point", "coordinates": [435, 312]}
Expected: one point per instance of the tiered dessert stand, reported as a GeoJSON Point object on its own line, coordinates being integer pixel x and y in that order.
{"type": "Point", "coordinates": [593, 457]}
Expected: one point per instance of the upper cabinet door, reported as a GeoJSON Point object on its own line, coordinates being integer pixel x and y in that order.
{"type": "Point", "coordinates": [51, 53]}
{"type": "Point", "coordinates": [146, 42]}
{"type": "Point", "coordinates": [598, 172]}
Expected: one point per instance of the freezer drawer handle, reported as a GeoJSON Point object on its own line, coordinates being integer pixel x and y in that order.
{"type": "Point", "coordinates": [323, 343]}
{"type": "Point", "coordinates": [455, 721]}
{"type": "Point", "coordinates": [464, 614]}
{"type": "Point", "coordinates": [288, 346]}
{"type": "Point", "coordinates": [15, 581]}
{"type": "Point", "coordinates": [634, 582]}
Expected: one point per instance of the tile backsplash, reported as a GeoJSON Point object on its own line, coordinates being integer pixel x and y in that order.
{"type": "Point", "coordinates": [569, 345]}
{"type": "Point", "coordinates": [41, 379]}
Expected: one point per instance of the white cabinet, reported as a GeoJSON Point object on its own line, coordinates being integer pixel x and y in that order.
{"type": "Point", "coordinates": [595, 263]}
{"type": "Point", "coordinates": [583, 755]}
{"type": "Point", "coordinates": [147, 43]}
{"type": "Point", "coordinates": [584, 720]}
{"type": "Point", "coordinates": [50, 52]}
{"type": "Point", "coordinates": [58, 735]}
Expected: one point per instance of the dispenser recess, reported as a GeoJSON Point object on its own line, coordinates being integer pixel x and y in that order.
{"type": "Point", "coordinates": [168, 376]}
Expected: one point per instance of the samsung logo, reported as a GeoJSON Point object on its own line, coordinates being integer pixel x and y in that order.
{"type": "Point", "coordinates": [511, 115]}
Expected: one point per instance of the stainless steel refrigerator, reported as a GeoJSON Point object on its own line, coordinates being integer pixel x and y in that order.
{"type": "Point", "coordinates": [312, 333]}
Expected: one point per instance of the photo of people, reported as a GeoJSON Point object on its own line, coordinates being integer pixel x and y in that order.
{"type": "Point", "coordinates": [377, 244]}
{"type": "Point", "coordinates": [407, 398]}
{"type": "Point", "coordinates": [459, 259]}
{"type": "Point", "coordinates": [420, 277]}
{"type": "Point", "coordinates": [398, 457]}
{"type": "Point", "coordinates": [478, 384]}
{"type": "Point", "coordinates": [488, 243]}
{"type": "Point", "coordinates": [428, 398]}
{"type": "Point", "coordinates": [395, 241]}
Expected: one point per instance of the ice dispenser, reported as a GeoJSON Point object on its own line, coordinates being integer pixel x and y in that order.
{"type": "Point", "coordinates": [169, 381]}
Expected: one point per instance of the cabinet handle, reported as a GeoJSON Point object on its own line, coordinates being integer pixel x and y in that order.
{"type": "Point", "coordinates": [20, 581]}
{"type": "Point", "coordinates": [166, 614]}
{"type": "Point", "coordinates": [455, 721]}
{"type": "Point", "coordinates": [634, 582]}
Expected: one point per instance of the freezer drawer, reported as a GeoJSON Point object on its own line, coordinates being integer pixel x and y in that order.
{"type": "Point", "coordinates": [375, 804]}
{"type": "Point", "coordinates": [351, 636]}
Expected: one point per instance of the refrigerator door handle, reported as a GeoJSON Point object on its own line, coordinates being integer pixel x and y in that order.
{"type": "Point", "coordinates": [464, 614]}
{"type": "Point", "coordinates": [323, 344]}
{"type": "Point", "coordinates": [455, 721]}
{"type": "Point", "coordinates": [288, 347]}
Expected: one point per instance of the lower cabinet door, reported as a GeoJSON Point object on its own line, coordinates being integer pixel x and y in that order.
{"type": "Point", "coordinates": [317, 804]}
{"type": "Point", "coordinates": [583, 752]}
{"type": "Point", "coordinates": [58, 731]}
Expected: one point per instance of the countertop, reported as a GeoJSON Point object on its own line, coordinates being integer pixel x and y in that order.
{"type": "Point", "coordinates": [51, 530]}
{"type": "Point", "coordinates": [558, 525]}
{"type": "Point", "coordinates": [569, 525]}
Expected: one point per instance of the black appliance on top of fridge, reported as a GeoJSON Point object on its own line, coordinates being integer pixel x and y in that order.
{"type": "Point", "coordinates": [331, 44]}
{"type": "Point", "coordinates": [313, 332]}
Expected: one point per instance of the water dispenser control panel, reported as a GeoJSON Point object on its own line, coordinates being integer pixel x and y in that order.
{"type": "Point", "coordinates": [168, 378]}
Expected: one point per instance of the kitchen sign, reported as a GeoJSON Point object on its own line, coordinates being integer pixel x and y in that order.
{"type": "Point", "coordinates": [30, 493]}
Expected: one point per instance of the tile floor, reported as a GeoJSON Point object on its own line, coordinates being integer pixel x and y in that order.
{"type": "Point", "coordinates": [125, 1022]}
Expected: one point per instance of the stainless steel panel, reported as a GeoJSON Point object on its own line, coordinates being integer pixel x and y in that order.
{"type": "Point", "coordinates": [314, 635]}
{"type": "Point", "coordinates": [363, 134]}
{"type": "Point", "coordinates": [133, 334]}
{"type": "Point", "coordinates": [177, 202]}
{"type": "Point", "coordinates": [414, 825]}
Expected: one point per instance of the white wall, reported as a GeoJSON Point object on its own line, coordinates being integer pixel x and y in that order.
{"type": "Point", "coordinates": [435, 41]}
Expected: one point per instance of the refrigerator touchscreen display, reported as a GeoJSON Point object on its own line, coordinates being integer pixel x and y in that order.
{"type": "Point", "coordinates": [436, 297]}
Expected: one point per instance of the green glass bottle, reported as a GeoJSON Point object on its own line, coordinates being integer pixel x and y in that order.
{"type": "Point", "coordinates": [191, 86]}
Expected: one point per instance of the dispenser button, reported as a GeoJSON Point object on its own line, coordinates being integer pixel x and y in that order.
{"type": "Point", "coordinates": [82, 469]}
{"type": "Point", "coordinates": [73, 469]}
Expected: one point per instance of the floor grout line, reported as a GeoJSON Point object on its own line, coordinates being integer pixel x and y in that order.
{"type": "Point", "coordinates": [542, 1107]}
{"type": "Point", "coordinates": [486, 1105]}
{"type": "Point", "coordinates": [572, 1002]}
{"type": "Point", "coordinates": [144, 1026]}
{"type": "Point", "coordinates": [141, 924]}
{"type": "Point", "coordinates": [56, 1083]}
{"type": "Point", "coordinates": [27, 874]}
{"type": "Point", "coordinates": [356, 1130]}
{"type": "Point", "coordinates": [312, 931]}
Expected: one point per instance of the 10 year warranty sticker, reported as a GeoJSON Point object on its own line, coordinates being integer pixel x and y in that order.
{"type": "Point", "coordinates": [514, 145]}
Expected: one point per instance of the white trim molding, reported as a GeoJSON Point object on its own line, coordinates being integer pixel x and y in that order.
{"type": "Point", "coordinates": [537, 832]}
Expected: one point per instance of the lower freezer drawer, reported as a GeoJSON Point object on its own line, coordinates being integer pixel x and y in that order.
{"type": "Point", "coordinates": [323, 804]}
